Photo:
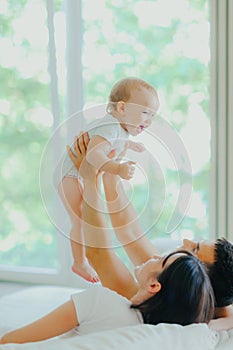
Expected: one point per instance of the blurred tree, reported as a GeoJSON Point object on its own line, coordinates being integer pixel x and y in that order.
{"type": "Point", "coordinates": [118, 41]}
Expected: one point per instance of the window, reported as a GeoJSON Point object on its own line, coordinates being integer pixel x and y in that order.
{"type": "Point", "coordinates": [138, 38]}
{"type": "Point", "coordinates": [143, 38]}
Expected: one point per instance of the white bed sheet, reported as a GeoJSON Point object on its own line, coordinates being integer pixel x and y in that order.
{"type": "Point", "coordinates": [25, 306]}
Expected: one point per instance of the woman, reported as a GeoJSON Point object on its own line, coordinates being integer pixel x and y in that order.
{"type": "Point", "coordinates": [217, 256]}
{"type": "Point", "coordinates": [159, 295]}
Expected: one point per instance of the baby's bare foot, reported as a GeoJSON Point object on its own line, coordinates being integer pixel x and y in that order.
{"type": "Point", "coordinates": [85, 271]}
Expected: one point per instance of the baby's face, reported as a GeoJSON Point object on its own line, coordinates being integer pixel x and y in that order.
{"type": "Point", "coordinates": [139, 111]}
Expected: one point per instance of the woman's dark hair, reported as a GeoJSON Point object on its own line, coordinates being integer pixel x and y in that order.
{"type": "Point", "coordinates": [186, 295]}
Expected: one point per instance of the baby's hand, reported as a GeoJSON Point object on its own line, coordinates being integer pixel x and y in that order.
{"type": "Point", "coordinates": [126, 170]}
{"type": "Point", "coordinates": [136, 146]}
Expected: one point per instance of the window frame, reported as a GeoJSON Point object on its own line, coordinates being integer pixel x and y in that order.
{"type": "Point", "coordinates": [221, 111]}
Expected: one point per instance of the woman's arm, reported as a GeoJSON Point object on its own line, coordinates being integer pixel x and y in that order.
{"type": "Point", "coordinates": [125, 221]}
{"type": "Point", "coordinates": [57, 322]}
{"type": "Point", "coordinates": [112, 272]}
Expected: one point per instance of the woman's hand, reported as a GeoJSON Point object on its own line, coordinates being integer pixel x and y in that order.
{"type": "Point", "coordinates": [78, 157]}
{"type": "Point", "coordinates": [80, 149]}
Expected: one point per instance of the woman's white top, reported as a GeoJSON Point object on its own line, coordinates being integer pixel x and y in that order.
{"type": "Point", "coordinates": [99, 308]}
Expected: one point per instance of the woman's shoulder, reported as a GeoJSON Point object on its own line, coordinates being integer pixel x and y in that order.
{"type": "Point", "coordinates": [99, 308]}
{"type": "Point", "coordinates": [99, 291]}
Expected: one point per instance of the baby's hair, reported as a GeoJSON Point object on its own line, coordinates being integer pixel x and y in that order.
{"type": "Point", "coordinates": [121, 90]}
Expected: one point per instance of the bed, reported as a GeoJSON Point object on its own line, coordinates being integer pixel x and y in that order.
{"type": "Point", "coordinates": [24, 306]}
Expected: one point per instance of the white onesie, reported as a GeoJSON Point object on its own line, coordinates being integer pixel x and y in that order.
{"type": "Point", "coordinates": [107, 127]}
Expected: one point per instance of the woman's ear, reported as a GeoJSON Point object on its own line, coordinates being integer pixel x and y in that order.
{"type": "Point", "coordinates": [121, 107]}
{"type": "Point", "coordinates": [154, 287]}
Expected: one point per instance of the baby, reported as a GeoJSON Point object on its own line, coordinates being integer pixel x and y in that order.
{"type": "Point", "coordinates": [132, 104]}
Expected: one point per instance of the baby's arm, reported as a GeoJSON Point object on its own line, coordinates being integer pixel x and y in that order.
{"type": "Point", "coordinates": [136, 146]}
{"type": "Point", "coordinates": [97, 151]}
{"type": "Point", "coordinates": [57, 322]}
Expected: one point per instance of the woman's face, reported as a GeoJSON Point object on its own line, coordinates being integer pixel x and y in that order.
{"type": "Point", "coordinates": [152, 267]}
{"type": "Point", "coordinates": [204, 250]}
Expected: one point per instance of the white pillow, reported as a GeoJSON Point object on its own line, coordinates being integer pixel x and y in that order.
{"type": "Point", "coordinates": [140, 337]}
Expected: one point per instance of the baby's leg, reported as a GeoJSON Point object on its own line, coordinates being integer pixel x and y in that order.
{"type": "Point", "coordinates": [70, 191]}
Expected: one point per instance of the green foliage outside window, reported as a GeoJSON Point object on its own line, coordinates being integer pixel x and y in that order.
{"type": "Point", "coordinates": [117, 43]}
